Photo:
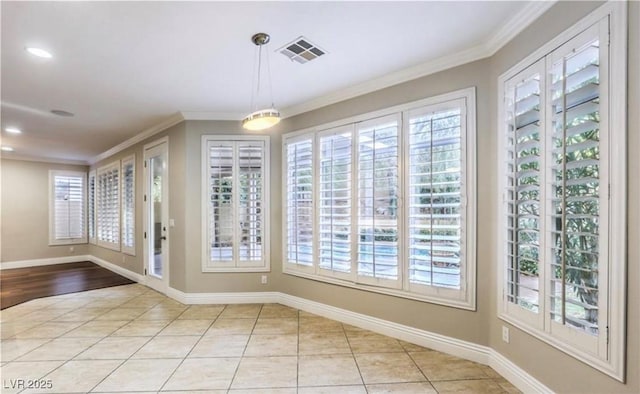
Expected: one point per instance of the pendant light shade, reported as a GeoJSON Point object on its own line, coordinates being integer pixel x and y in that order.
{"type": "Point", "coordinates": [264, 118]}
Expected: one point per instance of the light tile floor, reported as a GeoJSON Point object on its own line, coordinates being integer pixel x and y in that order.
{"type": "Point", "coordinates": [132, 339]}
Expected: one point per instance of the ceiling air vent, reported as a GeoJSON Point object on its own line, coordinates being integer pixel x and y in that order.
{"type": "Point", "coordinates": [301, 50]}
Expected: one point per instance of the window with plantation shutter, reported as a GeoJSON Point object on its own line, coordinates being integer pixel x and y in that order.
{"type": "Point", "coordinates": [564, 195]}
{"type": "Point", "coordinates": [385, 203]}
{"type": "Point", "coordinates": [235, 223]}
{"type": "Point", "coordinates": [91, 207]}
{"type": "Point", "coordinates": [108, 206]}
{"type": "Point", "coordinates": [67, 209]}
{"type": "Point", "coordinates": [128, 172]}
{"type": "Point", "coordinates": [334, 203]}
{"type": "Point", "coordinates": [299, 194]}
{"type": "Point", "coordinates": [377, 201]}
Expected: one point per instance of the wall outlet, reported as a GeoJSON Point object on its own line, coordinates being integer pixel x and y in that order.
{"type": "Point", "coordinates": [505, 334]}
{"type": "Point", "coordinates": [71, 249]}
{"type": "Point", "coordinates": [264, 279]}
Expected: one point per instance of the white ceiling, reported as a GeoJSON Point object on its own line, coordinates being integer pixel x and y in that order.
{"type": "Point", "coordinates": [123, 67]}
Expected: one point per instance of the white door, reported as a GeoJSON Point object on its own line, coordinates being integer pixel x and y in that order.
{"type": "Point", "coordinates": [156, 215]}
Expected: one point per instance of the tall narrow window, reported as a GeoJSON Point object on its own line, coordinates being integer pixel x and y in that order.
{"type": "Point", "coordinates": [91, 207]}
{"type": "Point", "coordinates": [299, 184]}
{"type": "Point", "coordinates": [437, 191]}
{"type": "Point", "coordinates": [67, 209]}
{"type": "Point", "coordinates": [564, 194]}
{"type": "Point", "coordinates": [129, 205]}
{"type": "Point", "coordinates": [235, 223]}
{"type": "Point", "coordinates": [335, 238]}
{"type": "Point", "coordinates": [108, 206]}
{"type": "Point", "coordinates": [378, 193]}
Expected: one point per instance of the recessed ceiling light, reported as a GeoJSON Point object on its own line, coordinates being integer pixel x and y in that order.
{"type": "Point", "coordinates": [39, 52]}
{"type": "Point", "coordinates": [60, 112]}
{"type": "Point", "coordinates": [6, 149]}
{"type": "Point", "coordinates": [13, 130]}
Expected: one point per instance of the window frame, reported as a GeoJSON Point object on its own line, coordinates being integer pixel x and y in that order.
{"type": "Point", "coordinates": [128, 161]}
{"type": "Point", "coordinates": [465, 298]}
{"type": "Point", "coordinates": [236, 140]}
{"type": "Point", "coordinates": [52, 211]}
{"type": "Point", "coordinates": [613, 330]}
{"type": "Point", "coordinates": [99, 172]}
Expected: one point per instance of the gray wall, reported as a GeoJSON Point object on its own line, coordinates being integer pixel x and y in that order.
{"type": "Point", "coordinates": [25, 211]}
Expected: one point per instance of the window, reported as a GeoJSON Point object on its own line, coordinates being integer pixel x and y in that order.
{"type": "Point", "coordinates": [91, 206]}
{"type": "Point", "coordinates": [67, 207]}
{"type": "Point", "coordinates": [235, 205]}
{"type": "Point", "coordinates": [562, 181]}
{"type": "Point", "coordinates": [108, 206]}
{"type": "Point", "coordinates": [382, 202]}
{"type": "Point", "coordinates": [129, 205]}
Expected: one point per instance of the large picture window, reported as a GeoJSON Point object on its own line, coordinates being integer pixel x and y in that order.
{"type": "Point", "coordinates": [235, 205]}
{"type": "Point", "coordinates": [384, 202]}
{"type": "Point", "coordinates": [563, 178]}
{"type": "Point", "coordinates": [67, 207]}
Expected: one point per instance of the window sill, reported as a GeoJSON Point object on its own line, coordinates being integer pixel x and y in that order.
{"type": "Point", "coordinates": [68, 242]}
{"type": "Point", "coordinates": [454, 303]}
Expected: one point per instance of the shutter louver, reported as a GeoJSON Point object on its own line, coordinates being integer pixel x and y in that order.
{"type": "Point", "coordinates": [221, 190]}
{"type": "Point", "coordinates": [91, 206]}
{"type": "Point", "coordinates": [108, 206]}
{"type": "Point", "coordinates": [69, 219]}
{"type": "Point", "coordinates": [250, 201]}
{"type": "Point", "coordinates": [128, 205]}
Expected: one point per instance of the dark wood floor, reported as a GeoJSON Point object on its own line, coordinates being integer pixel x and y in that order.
{"type": "Point", "coordinates": [24, 284]}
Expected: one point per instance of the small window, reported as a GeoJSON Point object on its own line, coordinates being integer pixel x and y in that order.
{"type": "Point", "coordinates": [235, 203]}
{"type": "Point", "coordinates": [129, 205]}
{"type": "Point", "coordinates": [67, 209]}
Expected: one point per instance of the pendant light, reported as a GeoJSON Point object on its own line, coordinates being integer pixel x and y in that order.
{"type": "Point", "coordinates": [264, 118]}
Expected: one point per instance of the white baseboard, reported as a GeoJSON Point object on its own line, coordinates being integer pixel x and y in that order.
{"type": "Point", "coordinates": [453, 346]}
{"type": "Point", "coordinates": [117, 269]}
{"type": "Point", "coordinates": [516, 375]}
{"type": "Point", "coordinates": [40, 262]}
{"type": "Point", "coordinates": [224, 298]}
{"type": "Point", "coordinates": [456, 347]}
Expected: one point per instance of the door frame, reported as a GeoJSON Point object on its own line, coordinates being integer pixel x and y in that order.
{"type": "Point", "coordinates": [161, 285]}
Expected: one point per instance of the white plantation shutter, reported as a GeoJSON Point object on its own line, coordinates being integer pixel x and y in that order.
{"type": "Point", "coordinates": [436, 213]}
{"type": "Point", "coordinates": [68, 220]}
{"type": "Point", "coordinates": [334, 205]}
{"type": "Point", "coordinates": [525, 118]}
{"type": "Point", "coordinates": [128, 205]}
{"type": "Point", "coordinates": [377, 201]}
{"type": "Point", "coordinates": [577, 177]}
{"type": "Point", "coordinates": [299, 205]}
{"type": "Point", "coordinates": [108, 206]}
{"type": "Point", "coordinates": [91, 207]}
{"type": "Point", "coordinates": [234, 202]}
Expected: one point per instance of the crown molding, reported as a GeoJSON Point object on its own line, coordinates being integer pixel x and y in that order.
{"type": "Point", "coordinates": [153, 130]}
{"type": "Point", "coordinates": [208, 115]}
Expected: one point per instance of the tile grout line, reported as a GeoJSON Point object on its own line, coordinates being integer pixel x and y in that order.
{"type": "Point", "coordinates": [235, 373]}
